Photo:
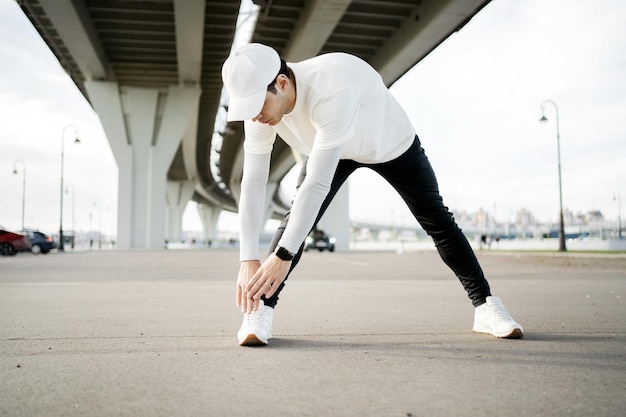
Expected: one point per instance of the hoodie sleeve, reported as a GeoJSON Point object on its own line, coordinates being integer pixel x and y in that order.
{"type": "Point", "coordinates": [252, 203]}
{"type": "Point", "coordinates": [320, 170]}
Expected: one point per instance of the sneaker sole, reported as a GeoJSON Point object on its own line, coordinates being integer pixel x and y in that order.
{"type": "Point", "coordinates": [252, 340]}
{"type": "Point", "coordinates": [515, 334]}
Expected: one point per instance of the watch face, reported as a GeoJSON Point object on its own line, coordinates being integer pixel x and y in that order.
{"type": "Point", "coordinates": [284, 254]}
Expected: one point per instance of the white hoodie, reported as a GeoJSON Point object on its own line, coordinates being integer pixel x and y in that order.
{"type": "Point", "coordinates": [343, 110]}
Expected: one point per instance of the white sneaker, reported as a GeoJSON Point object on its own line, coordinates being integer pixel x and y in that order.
{"type": "Point", "coordinates": [493, 318]}
{"type": "Point", "coordinates": [256, 328]}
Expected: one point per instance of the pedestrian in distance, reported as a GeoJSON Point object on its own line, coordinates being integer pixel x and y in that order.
{"type": "Point", "coordinates": [336, 110]}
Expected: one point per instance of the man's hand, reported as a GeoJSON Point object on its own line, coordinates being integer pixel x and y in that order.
{"type": "Point", "coordinates": [247, 269]}
{"type": "Point", "coordinates": [265, 281]}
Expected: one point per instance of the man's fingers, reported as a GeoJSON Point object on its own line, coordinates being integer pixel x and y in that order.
{"type": "Point", "coordinates": [253, 288]}
{"type": "Point", "coordinates": [246, 302]}
{"type": "Point", "coordinates": [271, 290]}
{"type": "Point", "coordinates": [262, 289]}
{"type": "Point", "coordinates": [253, 296]}
{"type": "Point", "coordinates": [249, 305]}
{"type": "Point", "coordinates": [247, 272]}
{"type": "Point", "coordinates": [265, 282]}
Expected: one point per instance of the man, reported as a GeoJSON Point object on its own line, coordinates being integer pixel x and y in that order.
{"type": "Point", "coordinates": [336, 110]}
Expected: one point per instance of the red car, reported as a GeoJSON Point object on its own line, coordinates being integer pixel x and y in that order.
{"type": "Point", "coordinates": [12, 243]}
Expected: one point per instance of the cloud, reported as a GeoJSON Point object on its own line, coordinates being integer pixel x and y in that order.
{"type": "Point", "coordinates": [474, 102]}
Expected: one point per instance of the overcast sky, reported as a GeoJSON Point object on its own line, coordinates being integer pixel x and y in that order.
{"type": "Point", "coordinates": [475, 102]}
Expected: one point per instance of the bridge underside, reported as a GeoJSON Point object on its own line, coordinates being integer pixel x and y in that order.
{"type": "Point", "coordinates": [115, 49]}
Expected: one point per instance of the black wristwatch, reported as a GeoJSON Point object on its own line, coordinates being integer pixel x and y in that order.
{"type": "Point", "coordinates": [284, 254]}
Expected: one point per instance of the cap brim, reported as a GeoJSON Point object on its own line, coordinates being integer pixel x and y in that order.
{"type": "Point", "coordinates": [245, 108]}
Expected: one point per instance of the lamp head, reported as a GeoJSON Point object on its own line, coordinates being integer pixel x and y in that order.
{"type": "Point", "coordinates": [14, 171]}
{"type": "Point", "coordinates": [543, 118]}
{"type": "Point", "coordinates": [76, 140]}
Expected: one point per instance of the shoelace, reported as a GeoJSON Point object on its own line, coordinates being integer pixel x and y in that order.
{"type": "Point", "coordinates": [500, 311]}
{"type": "Point", "coordinates": [255, 318]}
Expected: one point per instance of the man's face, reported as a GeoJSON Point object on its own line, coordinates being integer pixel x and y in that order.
{"type": "Point", "coordinates": [275, 106]}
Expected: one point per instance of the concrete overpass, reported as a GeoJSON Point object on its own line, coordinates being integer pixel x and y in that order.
{"type": "Point", "coordinates": [151, 70]}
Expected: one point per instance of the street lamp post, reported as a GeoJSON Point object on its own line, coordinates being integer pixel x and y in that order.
{"type": "Point", "coordinates": [616, 196]}
{"type": "Point", "coordinates": [23, 185]}
{"type": "Point", "coordinates": [90, 231]}
{"type": "Point", "coordinates": [76, 140]}
{"type": "Point", "coordinates": [73, 211]}
{"type": "Point", "coordinates": [97, 203]}
{"type": "Point", "coordinates": [543, 118]}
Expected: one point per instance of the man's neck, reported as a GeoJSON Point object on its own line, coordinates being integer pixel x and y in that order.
{"type": "Point", "coordinates": [292, 93]}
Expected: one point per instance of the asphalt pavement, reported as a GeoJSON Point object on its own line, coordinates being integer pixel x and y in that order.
{"type": "Point", "coordinates": [153, 333]}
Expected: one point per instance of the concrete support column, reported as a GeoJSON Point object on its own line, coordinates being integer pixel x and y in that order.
{"type": "Point", "coordinates": [209, 216]}
{"type": "Point", "coordinates": [178, 195]}
{"type": "Point", "coordinates": [144, 127]}
{"type": "Point", "coordinates": [336, 220]}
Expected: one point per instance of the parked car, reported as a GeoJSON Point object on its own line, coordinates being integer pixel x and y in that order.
{"type": "Point", "coordinates": [39, 242]}
{"type": "Point", "coordinates": [11, 243]}
{"type": "Point", "coordinates": [320, 241]}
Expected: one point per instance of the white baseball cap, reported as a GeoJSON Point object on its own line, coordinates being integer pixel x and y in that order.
{"type": "Point", "coordinates": [246, 74]}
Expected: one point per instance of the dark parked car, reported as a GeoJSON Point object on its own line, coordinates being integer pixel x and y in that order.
{"type": "Point", "coordinates": [40, 242]}
{"type": "Point", "coordinates": [320, 241]}
{"type": "Point", "coordinates": [11, 243]}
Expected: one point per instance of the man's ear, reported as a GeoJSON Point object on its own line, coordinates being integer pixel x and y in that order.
{"type": "Point", "coordinates": [282, 81]}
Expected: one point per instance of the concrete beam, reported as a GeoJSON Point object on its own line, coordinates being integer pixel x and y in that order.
{"type": "Point", "coordinates": [144, 127]}
{"type": "Point", "coordinates": [189, 21]}
{"type": "Point", "coordinates": [73, 24]}
{"type": "Point", "coordinates": [189, 144]}
{"type": "Point", "coordinates": [429, 25]}
{"type": "Point", "coordinates": [209, 215]}
{"type": "Point", "coordinates": [318, 21]}
{"type": "Point", "coordinates": [178, 195]}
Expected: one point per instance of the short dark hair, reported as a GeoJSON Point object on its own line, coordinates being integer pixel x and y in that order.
{"type": "Point", "coordinates": [284, 69]}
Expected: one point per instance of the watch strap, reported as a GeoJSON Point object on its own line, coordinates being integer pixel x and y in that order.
{"type": "Point", "coordinates": [284, 254]}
